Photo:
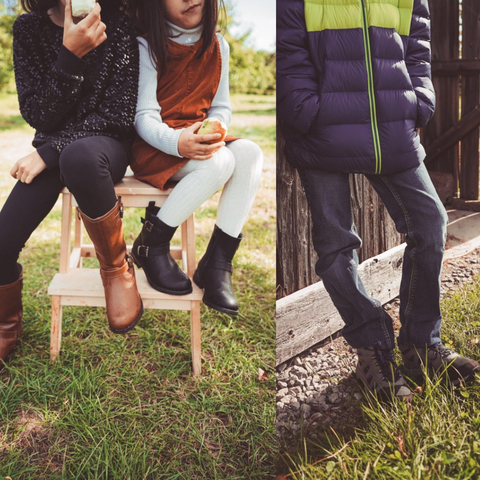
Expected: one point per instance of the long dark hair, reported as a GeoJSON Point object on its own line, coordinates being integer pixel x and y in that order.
{"type": "Point", "coordinates": [151, 23]}
{"type": "Point", "coordinates": [42, 6]}
{"type": "Point", "coordinates": [39, 6]}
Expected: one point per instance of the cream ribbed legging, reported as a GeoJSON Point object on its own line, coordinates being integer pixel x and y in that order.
{"type": "Point", "coordinates": [238, 166]}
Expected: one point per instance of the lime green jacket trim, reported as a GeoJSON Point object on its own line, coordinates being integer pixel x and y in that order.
{"type": "Point", "coordinates": [346, 14]}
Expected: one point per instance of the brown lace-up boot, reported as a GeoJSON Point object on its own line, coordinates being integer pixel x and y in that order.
{"type": "Point", "coordinates": [124, 305]}
{"type": "Point", "coordinates": [11, 313]}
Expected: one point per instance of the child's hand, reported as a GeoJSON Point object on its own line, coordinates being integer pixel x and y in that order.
{"type": "Point", "coordinates": [27, 168]}
{"type": "Point", "coordinates": [193, 146]}
{"type": "Point", "coordinates": [86, 35]}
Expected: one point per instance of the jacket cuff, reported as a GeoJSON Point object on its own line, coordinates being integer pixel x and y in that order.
{"type": "Point", "coordinates": [49, 155]}
{"type": "Point", "coordinates": [69, 63]}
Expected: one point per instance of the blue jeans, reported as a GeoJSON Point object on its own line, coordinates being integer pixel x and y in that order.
{"type": "Point", "coordinates": [413, 204]}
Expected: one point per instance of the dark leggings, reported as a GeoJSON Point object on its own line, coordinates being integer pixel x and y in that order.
{"type": "Point", "coordinates": [88, 167]}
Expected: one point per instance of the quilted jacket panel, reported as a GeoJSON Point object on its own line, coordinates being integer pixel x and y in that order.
{"type": "Point", "coordinates": [349, 102]}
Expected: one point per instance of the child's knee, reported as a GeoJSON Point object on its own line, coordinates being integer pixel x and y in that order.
{"type": "Point", "coordinates": [248, 154]}
{"type": "Point", "coordinates": [222, 164]}
{"type": "Point", "coordinates": [78, 161]}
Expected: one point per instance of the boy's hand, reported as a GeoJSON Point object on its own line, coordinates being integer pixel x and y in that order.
{"type": "Point", "coordinates": [193, 146]}
{"type": "Point", "coordinates": [27, 168]}
{"type": "Point", "coordinates": [87, 34]}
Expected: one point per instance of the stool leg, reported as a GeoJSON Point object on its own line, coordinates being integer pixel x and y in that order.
{"type": "Point", "coordinates": [66, 232]}
{"type": "Point", "coordinates": [78, 241]}
{"type": "Point", "coordinates": [56, 327]}
{"type": "Point", "coordinates": [188, 243]}
{"type": "Point", "coordinates": [196, 338]}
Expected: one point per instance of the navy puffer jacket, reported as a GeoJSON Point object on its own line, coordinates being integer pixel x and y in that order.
{"type": "Point", "coordinates": [354, 83]}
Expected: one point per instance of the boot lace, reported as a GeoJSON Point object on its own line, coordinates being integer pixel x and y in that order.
{"type": "Point", "coordinates": [387, 364]}
{"type": "Point", "coordinates": [441, 349]}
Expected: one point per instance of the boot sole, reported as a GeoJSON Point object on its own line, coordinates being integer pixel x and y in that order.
{"type": "Point", "coordinates": [132, 325]}
{"type": "Point", "coordinates": [209, 304]}
{"type": "Point", "coordinates": [418, 376]}
{"type": "Point", "coordinates": [382, 394]}
{"type": "Point", "coordinates": [233, 313]}
{"type": "Point", "coordinates": [156, 287]}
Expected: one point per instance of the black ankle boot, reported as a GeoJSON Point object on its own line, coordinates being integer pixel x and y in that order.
{"type": "Point", "coordinates": [151, 251]}
{"type": "Point", "coordinates": [214, 272]}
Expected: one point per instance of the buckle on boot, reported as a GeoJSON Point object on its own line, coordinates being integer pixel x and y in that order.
{"type": "Point", "coordinates": [144, 252]}
{"type": "Point", "coordinates": [129, 261]}
{"type": "Point", "coordinates": [148, 225]}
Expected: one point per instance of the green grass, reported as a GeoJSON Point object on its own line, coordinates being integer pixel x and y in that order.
{"type": "Point", "coordinates": [127, 407]}
{"type": "Point", "coordinates": [12, 122]}
{"type": "Point", "coordinates": [438, 438]}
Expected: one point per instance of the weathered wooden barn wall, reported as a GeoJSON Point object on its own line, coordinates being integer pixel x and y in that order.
{"type": "Point", "coordinates": [452, 144]}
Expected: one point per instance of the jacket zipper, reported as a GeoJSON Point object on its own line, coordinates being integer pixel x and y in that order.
{"type": "Point", "coordinates": [371, 90]}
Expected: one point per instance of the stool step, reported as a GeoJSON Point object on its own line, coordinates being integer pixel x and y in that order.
{"type": "Point", "coordinates": [135, 193]}
{"type": "Point", "coordinates": [83, 287]}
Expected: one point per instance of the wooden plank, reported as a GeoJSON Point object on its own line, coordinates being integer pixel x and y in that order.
{"type": "Point", "coordinates": [66, 232]}
{"type": "Point", "coordinates": [75, 257]}
{"type": "Point", "coordinates": [137, 201]}
{"type": "Point", "coordinates": [188, 239]}
{"type": "Point", "coordinates": [55, 328]}
{"type": "Point", "coordinates": [88, 251]}
{"type": "Point", "coordinates": [137, 194]}
{"type": "Point", "coordinates": [131, 186]}
{"type": "Point", "coordinates": [196, 340]}
{"type": "Point", "coordinates": [461, 204]}
{"type": "Point", "coordinates": [453, 135]}
{"type": "Point", "coordinates": [469, 171]}
{"type": "Point", "coordinates": [86, 282]}
{"type": "Point", "coordinates": [78, 241]}
{"type": "Point", "coordinates": [309, 316]}
{"type": "Point", "coordinates": [171, 303]}
{"type": "Point", "coordinates": [456, 67]}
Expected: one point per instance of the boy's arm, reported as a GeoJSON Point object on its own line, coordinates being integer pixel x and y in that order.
{"type": "Point", "coordinates": [418, 58]}
{"type": "Point", "coordinates": [297, 83]}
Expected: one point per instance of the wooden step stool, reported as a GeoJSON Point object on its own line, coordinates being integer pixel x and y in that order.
{"type": "Point", "coordinates": [77, 286]}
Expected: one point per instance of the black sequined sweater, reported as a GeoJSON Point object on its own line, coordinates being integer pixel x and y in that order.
{"type": "Point", "coordinates": [65, 97]}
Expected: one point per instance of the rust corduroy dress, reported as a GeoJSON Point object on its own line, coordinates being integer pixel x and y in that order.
{"type": "Point", "coordinates": [185, 92]}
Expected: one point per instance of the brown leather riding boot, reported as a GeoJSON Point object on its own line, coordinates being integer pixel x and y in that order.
{"type": "Point", "coordinates": [124, 305]}
{"type": "Point", "coordinates": [11, 313]}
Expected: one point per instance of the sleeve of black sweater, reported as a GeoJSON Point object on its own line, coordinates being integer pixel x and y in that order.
{"type": "Point", "coordinates": [45, 94]}
{"type": "Point", "coordinates": [114, 116]}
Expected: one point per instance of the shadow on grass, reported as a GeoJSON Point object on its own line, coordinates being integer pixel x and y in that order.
{"type": "Point", "coordinates": [325, 423]}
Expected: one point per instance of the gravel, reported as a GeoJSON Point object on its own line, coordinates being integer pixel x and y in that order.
{"type": "Point", "coordinates": [317, 389]}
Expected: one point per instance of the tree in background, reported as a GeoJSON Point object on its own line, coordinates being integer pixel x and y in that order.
{"type": "Point", "coordinates": [8, 14]}
{"type": "Point", "coordinates": [251, 71]}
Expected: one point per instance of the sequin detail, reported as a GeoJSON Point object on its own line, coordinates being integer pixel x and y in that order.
{"type": "Point", "coordinates": [64, 107]}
